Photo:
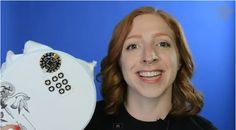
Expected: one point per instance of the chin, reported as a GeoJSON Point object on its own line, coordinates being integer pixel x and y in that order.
{"type": "Point", "coordinates": [152, 94]}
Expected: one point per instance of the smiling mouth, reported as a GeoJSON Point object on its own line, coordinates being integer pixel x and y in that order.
{"type": "Point", "coordinates": [150, 74]}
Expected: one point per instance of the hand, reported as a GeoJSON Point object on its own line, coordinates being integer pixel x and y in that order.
{"type": "Point", "coordinates": [11, 127]}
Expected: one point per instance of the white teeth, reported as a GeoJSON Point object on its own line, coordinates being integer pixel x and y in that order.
{"type": "Point", "coordinates": [150, 73]}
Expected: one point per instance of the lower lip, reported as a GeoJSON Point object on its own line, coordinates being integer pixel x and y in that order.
{"type": "Point", "coordinates": [152, 80]}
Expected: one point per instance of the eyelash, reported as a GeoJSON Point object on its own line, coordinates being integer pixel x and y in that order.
{"type": "Point", "coordinates": [164, 44]}
{"type": "Point", "coordinates": [131, 46]}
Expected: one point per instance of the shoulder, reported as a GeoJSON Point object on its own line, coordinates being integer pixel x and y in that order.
{"type": "Point", "coordinates": [203, 122]}
{"type": "Point", "coordinates": [99, 117]}
{"type": "Point", "coordinates": [100, 105]}
{"type": "Point", "coordinates": [196, 122]}
{"type": "Point", "coordinates": [100, 110]}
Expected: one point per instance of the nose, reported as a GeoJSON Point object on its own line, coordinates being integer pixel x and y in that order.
{"type": "Point", "coordinates": [149, 56]}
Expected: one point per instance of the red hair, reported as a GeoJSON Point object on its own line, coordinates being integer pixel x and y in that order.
{"type": "Point", "coordinates": [185, 99]}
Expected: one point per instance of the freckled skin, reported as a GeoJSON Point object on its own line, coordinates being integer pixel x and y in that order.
{"type": "Point", "coordinates": [145, 38]}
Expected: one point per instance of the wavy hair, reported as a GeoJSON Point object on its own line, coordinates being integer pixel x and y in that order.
{"type": "Point", "coordinates": [185, 99]}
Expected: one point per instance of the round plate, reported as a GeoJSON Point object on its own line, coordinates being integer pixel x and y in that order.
{"type": "Point", "coordinates": [47, 90]}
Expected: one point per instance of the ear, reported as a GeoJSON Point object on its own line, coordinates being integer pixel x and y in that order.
{"type": "Point", "coordinates": [179, 66]}
{"type": "Point", "coordinates": [179, 62]}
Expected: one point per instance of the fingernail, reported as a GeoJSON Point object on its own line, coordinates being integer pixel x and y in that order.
{"type": "Point", "coordinates": [16, 127]}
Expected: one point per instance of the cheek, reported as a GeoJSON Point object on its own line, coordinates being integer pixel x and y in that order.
{"type": "Point", "coordinates": [171, 61]}
{"type": "Point", "coordinates": [174, 61]}
{"type": "Point", "coordinates": [128, 60]}
{"type": "Point", "coordinates": [126, 66]}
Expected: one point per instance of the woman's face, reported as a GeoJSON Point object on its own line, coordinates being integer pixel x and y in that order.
{"type": "Point", "coordinates": [150, 38]}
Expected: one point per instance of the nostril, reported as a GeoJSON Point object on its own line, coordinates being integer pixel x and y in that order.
{"type": "Point", "coordinates": [150, 61]}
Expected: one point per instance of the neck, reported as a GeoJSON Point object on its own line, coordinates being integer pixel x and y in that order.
{"type": "Point", "coordinates": [149, 109]}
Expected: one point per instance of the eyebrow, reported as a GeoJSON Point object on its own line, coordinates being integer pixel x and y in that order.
{"type": "Point", "coordinates": [134, 36]}
{"type": "Point", "coordinates": [163, 34]}
{"type": "Point", "coordinates": [154, 35]}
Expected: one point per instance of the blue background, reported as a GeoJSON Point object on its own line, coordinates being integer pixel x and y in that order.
{"type": "Point", "coordinates": [83, 29]}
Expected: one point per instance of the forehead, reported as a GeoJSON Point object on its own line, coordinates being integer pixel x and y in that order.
{"type": "Point", "coordinates": [150, 23]}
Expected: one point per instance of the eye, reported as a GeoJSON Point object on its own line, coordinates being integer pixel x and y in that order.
{"type": "Point", "coordinates": [164, 44]}
{"type": "Point", "coordinates": [131, 46]}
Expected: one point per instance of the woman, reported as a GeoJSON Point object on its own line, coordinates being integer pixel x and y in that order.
{"type": "Point", "coordinates": [146, 77]}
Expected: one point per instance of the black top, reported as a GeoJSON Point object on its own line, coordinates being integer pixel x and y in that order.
{"type": "Point", "coordinates": [124, 121]}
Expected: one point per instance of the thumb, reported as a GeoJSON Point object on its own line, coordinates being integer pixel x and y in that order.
{"type": "Point", "coordinates": [11, 127]}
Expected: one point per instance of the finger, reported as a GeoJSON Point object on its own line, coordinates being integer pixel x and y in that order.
{"type": "Point", "coordinates": [11, 127]}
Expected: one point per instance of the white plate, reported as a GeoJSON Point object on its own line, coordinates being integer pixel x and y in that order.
{"type": "Point", "coordinates": [37, 106]}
